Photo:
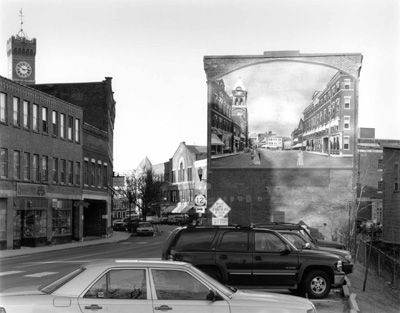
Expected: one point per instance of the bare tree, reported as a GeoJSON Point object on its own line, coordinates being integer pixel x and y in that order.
{"type": "Point", "coordinates": [143, 189]}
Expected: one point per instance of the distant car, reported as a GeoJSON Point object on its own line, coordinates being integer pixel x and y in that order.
{"type": "Point", "coordinates": [119, 225]}
{"type": "Point", "coordinates": [138, 286]}
{"type": "Point", "coordinates": [158, 220]}
{"type": "Point", "coordinates": [145, 229]}
{"type": "Point", "coordinates": [178, 219]}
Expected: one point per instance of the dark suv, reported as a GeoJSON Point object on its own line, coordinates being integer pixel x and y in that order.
{"type": "Point", "coordinates": [255, 258]}
{"type": "Point", "coordinates": [302, 230]}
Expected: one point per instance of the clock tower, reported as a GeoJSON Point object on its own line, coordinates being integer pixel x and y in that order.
{"type": "Point", "coordinates": [21, 52]}
{"type": "Point", "coordinates": [239, 100]}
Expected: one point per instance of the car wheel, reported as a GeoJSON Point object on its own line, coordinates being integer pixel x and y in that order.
{"type": "Point", "coordinates": [317, 284]}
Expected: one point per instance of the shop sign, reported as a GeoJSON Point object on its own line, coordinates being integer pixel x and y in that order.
{"type": "Point", "coordinates": [31, 190]}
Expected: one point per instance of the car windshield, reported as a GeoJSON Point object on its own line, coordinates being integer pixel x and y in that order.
{"type": "Point", "coordinates": [50, 288]}
{"type": "Point", "coordinates": [144, 225]}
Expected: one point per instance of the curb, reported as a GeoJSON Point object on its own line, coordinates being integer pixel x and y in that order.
{"type": "Point", "coordinates": [350, 296]}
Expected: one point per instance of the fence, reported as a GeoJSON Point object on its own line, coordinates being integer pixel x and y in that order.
{"type": "Point", "coordinates": [384, 265]}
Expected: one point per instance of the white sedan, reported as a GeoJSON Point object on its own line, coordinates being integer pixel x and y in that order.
{"type": "Point", "coordinates": [145, 286]}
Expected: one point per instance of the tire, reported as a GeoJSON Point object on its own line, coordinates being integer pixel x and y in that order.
{"type": "Point", "coordinates": [316, 284]}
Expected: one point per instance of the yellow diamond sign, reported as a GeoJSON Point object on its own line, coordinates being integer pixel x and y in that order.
{"type": "Point", "coordinates": [220, 209]}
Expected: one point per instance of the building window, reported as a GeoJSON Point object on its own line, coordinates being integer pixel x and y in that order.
{"type": "Point", "coordinates": [45, 168]}
{"type": "Point", "coordinates": [396, 176]}
{"type": "Point", "coordinates": [99, 176]}
{"type": "Point", "coordinates": [70, 125]}
{"type": "Point", "coordinates": [63, 171]}
{"type": "Point", "coordinates": [70, 172]}
{"type": "Point", "coordinates": [86, 172]}
{"type": "Point", "coordinates": [16, 112]}
{"type": "Point", "coordinates": [45, 125]}
{"type": "Point", "coordinates": [78, 173]}
{"type": "Point", "coordinates": [380, 164]}
{"type": "Point", "coordinates": [35, 167]}
{"type": "Point", "coordinates": [35, 115]}
{"type": "Point", "coordinates": [347, 103]}
{"type": "Point", "coordinates": [346, 143]}
{"type": "Point", "coordinates": [77, 130]}
{"type": "Point", "coordinates": [346, 124]}
{"type": "Point", "coordinates": [55, 123]}
{"type": "Point", "coordinates": [25, 111]}
{"type": "Point", "coordinates": [347, 84]}
{"type": "Point", "coordinates": [379, 213]}
{"type": "Point", "coordinates": [62, 125]}
{"type": "Point", "coordinates": [92, 173]}
{"type": "Point", "coordinates": [17, 165]}
{"type": "Point", "coordinates": [27, 166]}
{"type": "Point", "coordinates": [3, 107]}
{"type": "Point", "coordinates": [380, 186]}
{"type": "Point", "coordinates": [55, 170]}
{"type": "Point", "coordinates": [105, 176]}
{"type": "Point", "coordinates": [62, 220]}
{"type": "Point", "coordinates": [3, 163]}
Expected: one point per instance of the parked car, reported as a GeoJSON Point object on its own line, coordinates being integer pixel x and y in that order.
{"type": "Point", "coordinates": [119, 225]}
{"type": "Point", "coordinates": [302, 230]}
{"type": "Point", "coordinates": [178, 219]}
{"type": "Point", "coordinates": [255, 258]}
{"type": "Point", "coordinates": [137, 286]}
{"type": "Point", "coordinates": [301, 242]}
{"type": "Point", "coordinates": [158, 220]}
{"type": "Point", "coordinates": [131, 224]}
{"type": "Point", "coordinates": [145, 229]}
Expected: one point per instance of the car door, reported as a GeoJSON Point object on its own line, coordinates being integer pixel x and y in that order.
{"type": "Point", "coordinates": [118, 291]}
{"type": "Point", "coordinates": [180, 292]}
{"type": "Point", "coordinates": [271, 265]}
{"type": "Point", "coordinates": [234, 254]}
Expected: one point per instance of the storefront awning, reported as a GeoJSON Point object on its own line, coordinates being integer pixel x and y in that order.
{"type": "Point", "coordinates": [168, 209]}
{"type": "Point", "coordinates": [187, 209]}
{"type": "Point", "coordinates": [215, 141]}
{"type": "Point", "coordinates": [179, 208]}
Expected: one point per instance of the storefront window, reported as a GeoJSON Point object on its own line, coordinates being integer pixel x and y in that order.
{"type": "Point", "coordinates": [34, 223]}
{"type": "Point", "coordinates": [62, 221]}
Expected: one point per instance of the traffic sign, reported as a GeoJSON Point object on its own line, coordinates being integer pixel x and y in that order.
{"type": "Point", "coordinates": [200, 209]}
{"type": "Point", "coordinates": [219, 221]}
{"type": "Point", "coordinates": [220, 209]}
{"type": "Point", "coordinates": [200, 200]}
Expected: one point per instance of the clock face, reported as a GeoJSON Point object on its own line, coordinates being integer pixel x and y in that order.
{"type": "Point", "coordinates": [23, 69]}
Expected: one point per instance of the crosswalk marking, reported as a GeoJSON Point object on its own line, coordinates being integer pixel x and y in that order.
{"type": "Point", "coordinates": [10, 273]}
{"type": "Point", "coordinates": [41, 274]}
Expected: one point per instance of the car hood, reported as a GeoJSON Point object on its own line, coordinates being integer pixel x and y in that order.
{"type": "Point", "coordinates": [272, 300]}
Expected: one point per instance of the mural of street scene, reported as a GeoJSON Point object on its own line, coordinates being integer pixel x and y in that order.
{"type": "Point", "coordinates": [283, 114]}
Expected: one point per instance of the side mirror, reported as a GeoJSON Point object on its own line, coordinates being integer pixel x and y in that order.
{"type": "Point", "coordinates": [307, 246]}
{"type": "Point", "coordinates": [286, 250]}
{"type": "Point", "coordinates": [213, 296]}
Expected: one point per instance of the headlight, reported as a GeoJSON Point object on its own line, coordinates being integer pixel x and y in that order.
{"type": "Point", "coordinates": [339, 265]}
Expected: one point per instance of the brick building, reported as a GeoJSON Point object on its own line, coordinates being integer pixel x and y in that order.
{"type": "Point", "coordinates": [98, 104]}
{"type": "Point", "coordinates": [391, 194]}
{"type": "Point", "coordinates": [40, 167]}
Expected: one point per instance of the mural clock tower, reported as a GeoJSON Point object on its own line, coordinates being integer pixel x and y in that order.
{"type": "Point", "coordinates": [239, 107]}
{"type": "Point", "coordinates": [21, 52]}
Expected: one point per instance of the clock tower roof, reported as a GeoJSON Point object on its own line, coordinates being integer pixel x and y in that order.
{"type": "Point", "coordinates": [239, 84]}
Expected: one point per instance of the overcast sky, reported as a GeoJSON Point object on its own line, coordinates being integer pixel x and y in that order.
{"type": "Point", "coordinates": [154, 51]}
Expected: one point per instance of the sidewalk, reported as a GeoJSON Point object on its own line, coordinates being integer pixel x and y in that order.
{"type": "Point", "coordinates": [115, 237]}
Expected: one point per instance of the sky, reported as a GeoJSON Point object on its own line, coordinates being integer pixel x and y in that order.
{"type": "Point", "coordinates": [154, 50]}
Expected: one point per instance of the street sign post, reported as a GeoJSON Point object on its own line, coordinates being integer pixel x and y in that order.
{"type": "Point", "coordinates": [220, 209]}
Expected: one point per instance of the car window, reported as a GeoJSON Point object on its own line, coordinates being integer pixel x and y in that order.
{"type": "Point", "coordinates": [178, 285]}
{"type": "Point", "coordinates": [234, 241]}
{"type": "Point", "coordinates": [120, 284]}
{"type": "Point", "coordinates": [268, 242]}
{"type": "Point", "coordinates": [195, 240]}
{"type": "Point", "coordinates": [295, 239]}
